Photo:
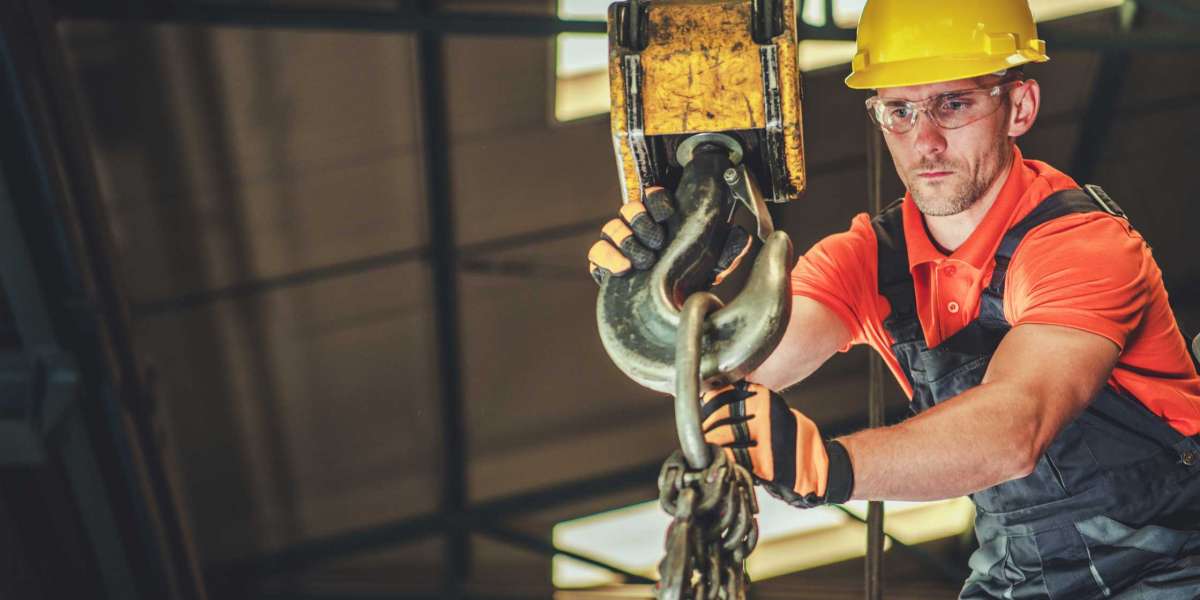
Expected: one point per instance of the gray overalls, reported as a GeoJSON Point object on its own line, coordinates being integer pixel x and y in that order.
{"type": "Point", "coordinates": [1112, 509]}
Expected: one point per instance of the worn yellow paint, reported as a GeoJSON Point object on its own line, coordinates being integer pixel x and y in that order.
{"type": "Point", "coordinates": [701, 69]}
{"type": "Point", "coordinates": [792, 94]}
{"type": "Point", "coordinates": [702, 73]}
{"type": "Point", "coordinates": [631, 187]}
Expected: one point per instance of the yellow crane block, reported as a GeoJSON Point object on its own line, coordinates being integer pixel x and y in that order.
{"type": "Point", "coordinates": [699, 70]}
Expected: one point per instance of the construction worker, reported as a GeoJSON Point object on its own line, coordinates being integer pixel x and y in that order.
{"type": "Point", "coordinates": [1024, 317]}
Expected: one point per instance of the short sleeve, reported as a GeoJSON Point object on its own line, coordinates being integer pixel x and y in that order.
{"type": "Point", "coordinates": [839, 272]}
{"type": "Point", "coordinates": [1087, 271]}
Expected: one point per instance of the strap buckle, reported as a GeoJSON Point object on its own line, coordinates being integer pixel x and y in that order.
{"type": "Point", "coordinates": [1104, 201]}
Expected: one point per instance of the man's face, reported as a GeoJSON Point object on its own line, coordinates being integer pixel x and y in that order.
{"type": "Point", "coordinates": [948, 170]}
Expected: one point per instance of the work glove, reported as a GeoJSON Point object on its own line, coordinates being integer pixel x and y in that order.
{"type": "Point", "coordinates": [632, 241]}
{"type": "Point", "coordinates": [779, 445]}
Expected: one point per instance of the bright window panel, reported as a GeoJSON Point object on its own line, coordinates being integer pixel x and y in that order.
{"type": "Point", "coordinates": [813, 13]}
{"type": "Point", "coordinates": [581, 53]}
{"type": "Point", "coordinates": [1048, 10]}
{"type": "Point", "coordinates": [790, 540]}
{"type": "Point", "coordinates": [821, 54]}
{"type": "Point", "coordinates": [846, 12]}
{"type": "Point", "coordinates": [583, 9]}
{"type": "Point", "coordinates": [581, 64]}
{"type": "Point", "coordinates": [581, 85]}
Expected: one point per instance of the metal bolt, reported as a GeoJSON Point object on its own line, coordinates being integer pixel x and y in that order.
{"type": "Point", "coordinates": [1188, 458]}
{"type": "Point", "coordinates": [731, 176]}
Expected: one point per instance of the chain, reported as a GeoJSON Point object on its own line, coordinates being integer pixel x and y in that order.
{"type": "Point", "coordinates": [710, 497]}
{"type": "Point", "coordinates": [713, 531]}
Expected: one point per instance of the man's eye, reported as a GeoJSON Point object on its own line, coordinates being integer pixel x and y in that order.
{"type": "Point", "coordinates": [956, 104]}
{"type": "Point", "coordinates": [899, 112]}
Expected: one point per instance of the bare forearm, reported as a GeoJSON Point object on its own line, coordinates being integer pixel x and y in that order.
{"type": "Point", "coordinates": [814, 333]}
{"type": "Point", "coordinates": [968, 443]}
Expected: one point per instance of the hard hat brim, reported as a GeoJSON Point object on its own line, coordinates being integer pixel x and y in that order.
{"type": "Point", "coordinates": [937, 69]}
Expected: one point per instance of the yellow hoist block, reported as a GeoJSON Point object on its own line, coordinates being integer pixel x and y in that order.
{"type": "Point", "coordinates": [678, 68]}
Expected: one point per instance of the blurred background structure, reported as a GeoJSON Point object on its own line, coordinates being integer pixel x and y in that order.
{"type": "Point", "coordinates": [294, 295]}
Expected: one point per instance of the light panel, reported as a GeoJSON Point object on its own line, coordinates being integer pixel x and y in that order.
{"type": "Point", "coordinates": [790, 539]}
{"type": "Point", "coordinates": [583, 9]}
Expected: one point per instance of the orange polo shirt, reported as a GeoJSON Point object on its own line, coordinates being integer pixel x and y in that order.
{"type": "Point", "coordinates": [1088, 271]}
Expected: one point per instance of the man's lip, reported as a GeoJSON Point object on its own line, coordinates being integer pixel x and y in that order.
{"type": "Point", "coordinates": [932, 174]}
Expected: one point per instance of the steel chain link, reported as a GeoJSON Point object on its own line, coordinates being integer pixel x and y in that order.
{"type": "Point", "coordinates": [713, 532]}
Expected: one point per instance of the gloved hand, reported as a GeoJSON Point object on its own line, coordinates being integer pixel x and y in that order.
{"type": "Point", "coordinates": [632, 240]}
{"type": "Point", "coordinates": [779, 445]}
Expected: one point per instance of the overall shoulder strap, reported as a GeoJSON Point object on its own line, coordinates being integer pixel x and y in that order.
{"type": "Point", "coordinates": [893, 279]}
{"type": "Point", "coordinates": [1090, 198]}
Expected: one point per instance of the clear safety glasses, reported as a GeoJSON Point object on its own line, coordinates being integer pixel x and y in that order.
{"type": "Point", "coordinates": [949, 110]}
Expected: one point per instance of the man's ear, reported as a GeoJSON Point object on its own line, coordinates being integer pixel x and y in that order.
{"type": "Point", "coordinates": [1025, 100]}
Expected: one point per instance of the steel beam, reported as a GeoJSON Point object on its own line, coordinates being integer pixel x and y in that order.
{"type": "Point", "coordinates": [298, 556]}
{"type": "Point", "coordinates": [55, 199]}
{"type": "Point", "coordinates": [435, 147]}
{"type": "Point", "coordinates": [227, 15]}
{"type": "Point", "coordinates": [359, 266]}
{"type": "Point", "coordinates": [545, 548]}
{"type": "Point", "coordinates": [875, 380]}
{"type": "Point", "coordinates": [303, 554]}
{"type": "Point", "coordinates": [18, 281]}
{"type": "Point", "coordinates": [259, 16]}
{"type": "Point", "coordinates": [949, 572]}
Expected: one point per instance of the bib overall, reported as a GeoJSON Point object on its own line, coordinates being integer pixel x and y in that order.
{"type": "Point", "coordinates": [1112, 509]}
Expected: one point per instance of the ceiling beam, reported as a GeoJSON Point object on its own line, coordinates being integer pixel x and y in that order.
{"type": "Point", "coordinates": [501, 24]}
{"type": "Point", "coordinates": [302, 555]}
{"type": "Point", "coordinates": [261, 16]}
{"type": "Point", "coordinates": [438, 182]}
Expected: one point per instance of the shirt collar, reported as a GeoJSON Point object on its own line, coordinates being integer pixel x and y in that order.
{"type": "Point", "coordinates": [981, 246]}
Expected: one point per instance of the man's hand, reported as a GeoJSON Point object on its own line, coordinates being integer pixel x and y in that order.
{"type": "Point", "coordinates": [781, 446]}
{"type": "Point", "coordinates": [633, 240]}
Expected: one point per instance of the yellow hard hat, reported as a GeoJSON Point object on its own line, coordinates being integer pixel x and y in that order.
{"type": "Point", "coordinates": [912, 42]}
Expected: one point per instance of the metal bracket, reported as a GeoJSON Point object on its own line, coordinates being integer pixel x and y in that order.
{"type": "Point", "coordinates": [35, 394]}
{"type": "Point", "coordinates": [1105, 201]}
{"type": "Point", "coordinates": [745, 190]}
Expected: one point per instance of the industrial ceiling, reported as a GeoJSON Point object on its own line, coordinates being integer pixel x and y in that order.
{"type": "Point", "coordinates": [352, 255]}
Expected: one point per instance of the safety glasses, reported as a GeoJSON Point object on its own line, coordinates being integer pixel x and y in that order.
{"type": "Point", "coordinates": [949, 110]}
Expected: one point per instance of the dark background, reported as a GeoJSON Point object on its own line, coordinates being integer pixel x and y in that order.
{"type": "Point", "coordinates": [319, 270]}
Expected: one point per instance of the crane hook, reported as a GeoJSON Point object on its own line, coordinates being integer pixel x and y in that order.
{"type": "Point", "coordinates": [639, 314]}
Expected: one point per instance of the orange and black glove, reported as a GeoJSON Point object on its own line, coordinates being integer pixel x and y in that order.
{"type": "Point", "coordinates": [779, 445]}
{"type": "Point", "coordinates": [632, 241]}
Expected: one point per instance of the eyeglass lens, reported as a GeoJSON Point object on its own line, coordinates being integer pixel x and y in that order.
{"type": "Point", "coordinates": [949, 111]}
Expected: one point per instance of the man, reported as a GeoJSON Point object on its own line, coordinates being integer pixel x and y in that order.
{"type": "Point", "coordinates": [1025, 318]}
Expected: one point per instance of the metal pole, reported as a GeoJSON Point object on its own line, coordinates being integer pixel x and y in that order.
{"type": "Point", "coordinates": [435, 141]}
{"type": "Point", "coordinates": [875, 417]}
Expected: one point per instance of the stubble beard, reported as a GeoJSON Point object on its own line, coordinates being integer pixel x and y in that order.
{"type": "Point", "coordinates": [958, 192]}
{"type": "Point", "coordinates": [945, 198]}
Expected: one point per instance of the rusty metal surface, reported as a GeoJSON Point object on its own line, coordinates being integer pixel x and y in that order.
{"type": "Point", "coordinates": [701, 68]}
{"type": "Point", "coordinates": [792, 95]}
{"type": "Point", "coordinates": [701, 71]}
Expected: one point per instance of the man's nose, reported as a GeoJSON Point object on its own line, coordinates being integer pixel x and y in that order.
{"type": "Point", "coordinates": [929, 138]}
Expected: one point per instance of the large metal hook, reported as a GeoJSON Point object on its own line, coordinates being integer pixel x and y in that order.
{"type": "Point", "coordinates": [639, 314]}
